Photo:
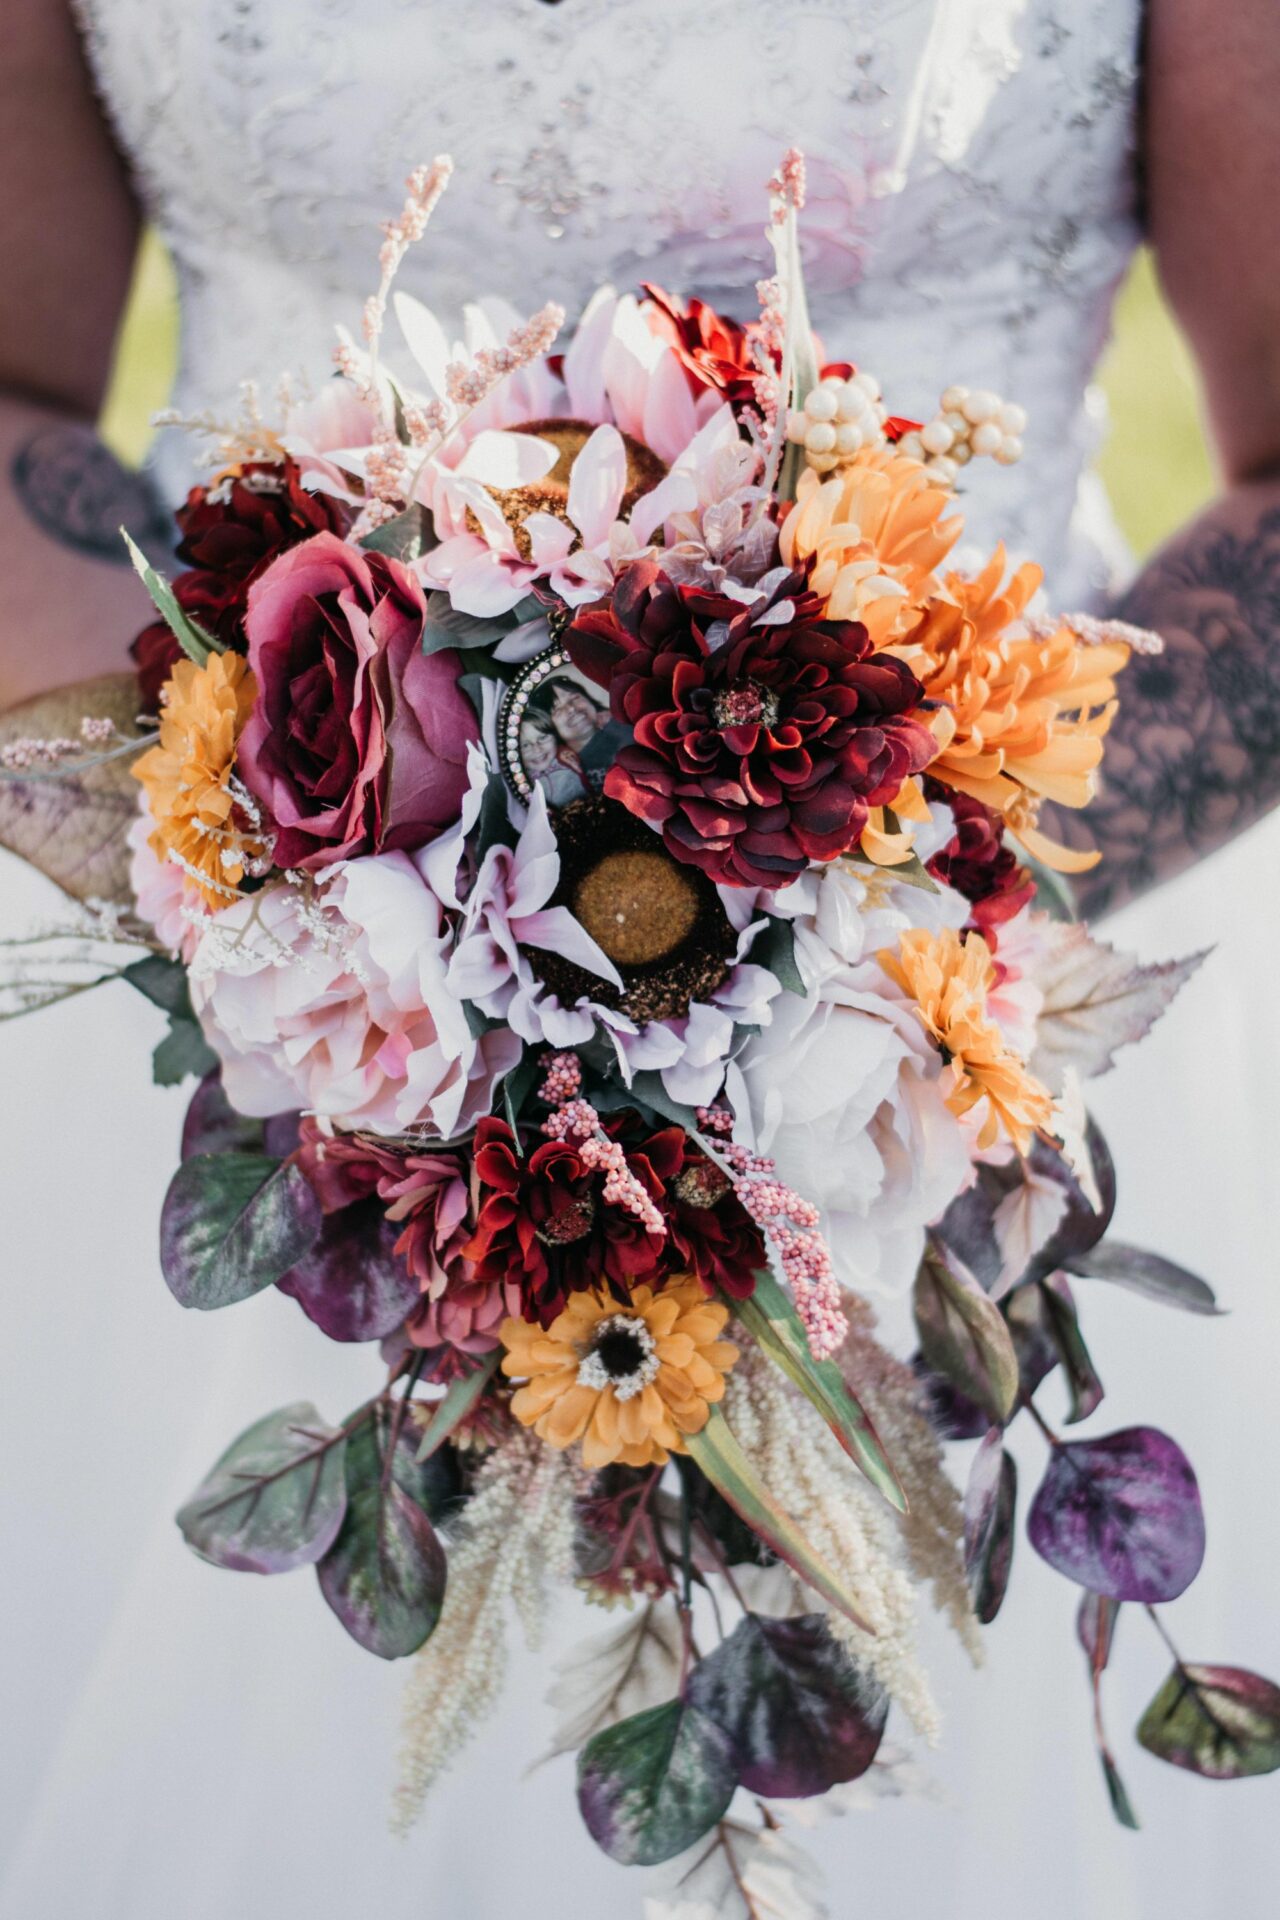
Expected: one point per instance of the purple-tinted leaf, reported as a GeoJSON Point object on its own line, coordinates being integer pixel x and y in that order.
{"type": "Point", "coordinates": [952, 1415]}
{"type": "Point", "coordinates": [963, 1335]}
{"type": "Point", "coordinates": [968, 1228]}
{"type": "Point", "coordinates": [652, 1785]}
{"type": "Point", "coordinates": [275, 1499]}
{"type": "Point", "coordinates": [1221, 1722]}
{"type": "Point", "coordinates": [232, 1224]}
{"type": "Point", "coordinates": [1121, 1515]}
{"type": "Point", "coordinates": [1146, 1273]}
{"type": "Point", "coordinates": [800, 1716]}
{"type": "Point", "coordinates": [1096, 1620]}
{"type": "Point", "coordinates": [990, 1502]}
{"type": "Point", "coordinates": [280, 1135]}
{"type": "Point", "coordinates": [384, 1575]}
{"type": "Point", "coordinates": [1046, 1334]}
{"type": "Point", "coordinates": [351, 1282]}
{"type": "Point", "coordinates": [212, 1124]}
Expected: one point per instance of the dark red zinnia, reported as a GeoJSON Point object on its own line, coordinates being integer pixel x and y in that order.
{"type": "Point", "coordinates": [709, 1231]}
{"type": "Point", "coordinates": [229, 537]}
{"type": "Point", "coordinates": [543, 1221]}
{"type": "Point", "coordinates": [715, 351]}
{"type": "Point", "coordinates": [761, 741]}
{"type": "Point", "coordinates": [978, 864]}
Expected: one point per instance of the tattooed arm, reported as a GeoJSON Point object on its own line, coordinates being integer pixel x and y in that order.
{"type": "Point", "coordinates": [68, 231]}
{"type": "Point", "coordinates": [1194, 756]}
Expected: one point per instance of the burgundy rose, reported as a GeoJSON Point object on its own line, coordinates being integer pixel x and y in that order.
{"type": "Point", "coordinates": [358, 742]}
{"type": "Point", "coordinates": [761, 741]}
{"type": "Point", "coordinates": [543, 1221]}
{"type": "Point", "coordinates": [979, 865]}
{"type": "Point", "coordinates": [229, 537]}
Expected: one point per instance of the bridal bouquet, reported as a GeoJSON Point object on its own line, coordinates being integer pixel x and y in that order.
{"type": "Point", "coordinates": [590, 853]}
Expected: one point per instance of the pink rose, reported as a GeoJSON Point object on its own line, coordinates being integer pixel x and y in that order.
{"type": "Point", "coordinates": [358, 743]}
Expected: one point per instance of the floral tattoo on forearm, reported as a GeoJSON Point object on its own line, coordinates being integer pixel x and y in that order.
{"type": "Point", "coordinates": [80, 494]}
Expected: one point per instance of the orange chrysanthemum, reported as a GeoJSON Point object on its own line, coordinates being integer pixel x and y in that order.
{"type": "Point", "coordinates": [949, 980]}
{"type": "Point", "coordinates": [1023, 708]}
{"type": "Point", "coordinates": [187, 775]}
{"type": "Point", "coordinates": [875, 538]}
{"type": "Point", "coordinates": [629, 1381]}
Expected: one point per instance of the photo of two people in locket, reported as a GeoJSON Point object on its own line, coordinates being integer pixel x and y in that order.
{"type": "Point", "coordinates": [567, 739]}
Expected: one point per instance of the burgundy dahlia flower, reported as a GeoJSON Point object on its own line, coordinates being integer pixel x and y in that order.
{"type": "Point", "coordinates": [762, 741]}
{"type": "Point", "coordinates": [229, 536]}
{"type": "Point", "coordinates": [978, 864]}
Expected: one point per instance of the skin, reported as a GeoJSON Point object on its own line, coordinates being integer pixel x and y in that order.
{"type": "Point", "coordinates": [1194, 756]}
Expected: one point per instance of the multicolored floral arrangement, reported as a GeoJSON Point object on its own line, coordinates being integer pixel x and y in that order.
{"type": "Point", "coordinates": [591, 853]}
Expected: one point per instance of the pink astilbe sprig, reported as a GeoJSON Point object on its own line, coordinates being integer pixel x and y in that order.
{"type": "Point", "coordinates": [467, 386]}
{"type": "Point", "coordinates": [576, 1121]}
{"type": "Point", "coordinates": [787, 186]}
{"type": "Point", "coordinates": [424, 188]}
{"type": "Point", "coordinates": [792, 1224]}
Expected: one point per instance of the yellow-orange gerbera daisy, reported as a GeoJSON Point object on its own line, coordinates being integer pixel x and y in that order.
{"type": "Point", "coordinates": [187, 774]}
{"type": "Point", "coordinates": [876, 537]}
{"type": "Point", "coordinates": [629, 1381]}
{"type": "Point", "coordinates": [949, 980]}
{"type": "Point", "coordinates": [1023, 707]}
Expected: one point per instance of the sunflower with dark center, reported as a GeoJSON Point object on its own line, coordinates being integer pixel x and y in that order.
{"type": "Point", "coordinates": [764, 735]}
{"type": "Point", "coordinates": [661, 923]}
{"type": "Point", "coordinates": [542, 1220]}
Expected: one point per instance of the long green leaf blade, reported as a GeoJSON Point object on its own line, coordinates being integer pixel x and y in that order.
{"type": "Point", "coordinates": [457, 1403]}
{"type": "Point", "coordinates": [189, 634]}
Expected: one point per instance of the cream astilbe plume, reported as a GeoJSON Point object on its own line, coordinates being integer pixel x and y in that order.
{"type": "Point", "coordinates": [516, 1534]}
{"type": "Point", "coordinates": [932, 1529]}
{"type": "Point", "coordinates": [845, 1519]}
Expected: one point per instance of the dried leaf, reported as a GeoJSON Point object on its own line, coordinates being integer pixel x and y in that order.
{"type": "Point", "coordinates": [72, 827]}
{"type": "Point", "coordinates": [1096, 1000]}
{"type": "Point", "coordinates": [1024, 1221]}
{"type": "Point", "coordinates": [742, 1873]}
{"type": "Point", "coordinates": [963, 1335]}
{"type": "Point", "coordinates": [612, 1675]}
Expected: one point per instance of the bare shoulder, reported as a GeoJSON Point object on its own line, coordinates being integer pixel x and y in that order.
{"type": "Point", "coordinates": [68, 220]}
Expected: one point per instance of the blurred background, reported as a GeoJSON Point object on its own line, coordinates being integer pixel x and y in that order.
{"type": "Point", "coordinates": [1155, 462]}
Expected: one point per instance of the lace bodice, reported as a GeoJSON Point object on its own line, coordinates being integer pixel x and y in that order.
{"type": "Point", "coordinates": [971, 202]}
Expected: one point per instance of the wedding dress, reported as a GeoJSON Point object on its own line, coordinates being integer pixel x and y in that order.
{"type": "Point", "coordinates": [184, 1744]}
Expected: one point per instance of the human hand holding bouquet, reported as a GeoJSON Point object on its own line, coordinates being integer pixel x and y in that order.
{"type": "Point", "coordinates": [590, 852]}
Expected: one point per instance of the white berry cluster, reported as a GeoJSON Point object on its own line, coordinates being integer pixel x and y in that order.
{"type": "Point", "coordinates": [838, 418]}
{"type": "Point", "coordinates": [969, 423]}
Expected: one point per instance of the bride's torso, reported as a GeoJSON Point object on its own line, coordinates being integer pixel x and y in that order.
{"type": "Point", "coordinates": [971, 201]}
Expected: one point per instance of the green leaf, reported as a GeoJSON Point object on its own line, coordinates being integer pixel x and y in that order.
{"type": "Point", "coordinates": [518, 1085]}
{"type": "Point", "coordinates": [161, 981]}
{"type": "Point", "coordinates": [233, 1223]}
{"type": "Point", "coordinates": [773, 1323]}
{"type": "Point", "coordinates": [775, 949]}
{"type": "Point", "coordinates": [183, 1051]}
{"type": "Point", "coordinates": [653, 1785]}
{"type": "Point", "coordinates": [448, 626]}
{"type": "Point", "coordinates": [1121, 1805]}
{"type": "Point", "coordinates": [717, 1452]}
{"type": "Point", "coordinates": [384, 1575]}
{"type": "Point", "coordinates": [406, 538]}
{"type": "Point", "coordinates": [459, 1399]}
{"type": "Point", "coordinates": [275, 1499]}
{"type": "Point", "coordinates": [1221, 1722]}
{"type": "Point", "coordinates": [1149, 1274]}
{"type": "Point", "coordinates": [493, 825]}
{"type": "Point", "coordinates": [189, 634]}
{"type": "Point", "coordinates": [963, 1336]}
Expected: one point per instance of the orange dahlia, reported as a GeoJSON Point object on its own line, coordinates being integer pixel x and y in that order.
{"type": "Point", "coordinates": [875, 537]}
{"type": "Point", "coordinates": [187, 774]}
{"type": "Point", "coordinates": [1023, 706]}
{"type": "Point", "coordinates": [949, 979]}
{"type": "Point", "coordinates": [630, 1380]}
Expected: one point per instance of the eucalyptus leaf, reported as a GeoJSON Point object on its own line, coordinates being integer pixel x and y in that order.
{"type": "Point", "coordinates": [990, 1503]}
{"type": "Point", "coordinates": [183, 1054]}
{"type": "Point", "coordinates": [189, 634]}
{"type": "Point", "coordinates": [212, 1124]}
{"type": "Point", "coordinates": [232, 1224]}
{"type": "Point", "coordinates": [1046, 1334]}
{"type": "Point", "coordinates": [654, 1784]}
{"type": "Point", "coordinates": [1149, 1274]}
{"type": "Point", "coordinates": [963, 1335]}
{"type": "Point", "coordinates": [799, 1714]}
{"type": "Point", "coordinates": [773, 1323]}
{"type": "Point", "coordinates": [1121, 1515]}
{"type": "Point", "coordinates": [384, 1575]}
{"type": "Point", "coordinates": [275, 1499]}
{"type": "Point", "coordinates": [718, 1453]}
{"type": "Point", "coordinates": [350, 1281]}
{"type": "Point", "coordinates": [1220, 1722]}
